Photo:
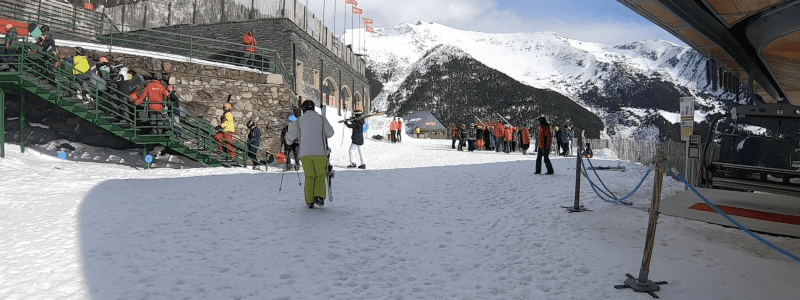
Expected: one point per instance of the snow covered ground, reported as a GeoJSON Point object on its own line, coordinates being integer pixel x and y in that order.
{"type": "Point", "coordinates": [422, 222]}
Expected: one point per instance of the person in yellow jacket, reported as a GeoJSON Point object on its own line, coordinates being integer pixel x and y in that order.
{"type": "Point", "coordinates": [225, 136]}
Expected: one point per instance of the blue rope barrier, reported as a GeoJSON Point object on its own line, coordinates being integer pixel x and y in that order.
{"type": "Point", "coordinates": [599, 179]}
{"type": "Point", "coordinates": [784, 252]}
{"type": "Point", "coordinates": [591, 183]}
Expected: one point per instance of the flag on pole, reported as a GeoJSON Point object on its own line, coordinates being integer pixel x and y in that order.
{"type": "Point", "coordinates": [353, 2]}
{"type": "Point", "coordinates": [357, 11]}
{"type": "Point", "coordinates": [367, 21]}
{"type": "Point", "coordinates": [369, 29]}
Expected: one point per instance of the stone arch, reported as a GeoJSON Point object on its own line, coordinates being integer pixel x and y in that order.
{"type": "Point", "coordinates": [346, 99]}
{"type": "Point", "coordinates": [330, 92]}
{"type": "Point", "coordinates": [358, 100]}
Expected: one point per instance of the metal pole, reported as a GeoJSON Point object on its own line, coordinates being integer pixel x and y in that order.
{"type": "Point", "coordinates": [578, 174]}
{"type": "Point", "coordinates": [22, 123]}
{"type": "Point", "coordinates": [2, 123]}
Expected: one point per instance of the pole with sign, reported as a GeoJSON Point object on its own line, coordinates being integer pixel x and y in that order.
{"type": "Point", "coordinates": [687, 127]}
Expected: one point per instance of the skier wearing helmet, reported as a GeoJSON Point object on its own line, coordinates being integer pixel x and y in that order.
{"type": "Point", "coordinates": [155, 93]}
{"type": "Point", "coordinates": [312, 130]}
{"type": "Point", "coordinates": [225, 135]}
{"type": "Point", "coordinates": [253, 141]}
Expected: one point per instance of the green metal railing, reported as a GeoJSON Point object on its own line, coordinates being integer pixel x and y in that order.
{"type": "Point", "coordinates": [195, 49]}
{"type": "Point", "coordinates": [53, 79]}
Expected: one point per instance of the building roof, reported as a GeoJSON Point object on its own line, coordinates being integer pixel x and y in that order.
{"type": "Point", "coordinates": [751, 40]}
{"type": "Point", "coordinates": [422, 119]}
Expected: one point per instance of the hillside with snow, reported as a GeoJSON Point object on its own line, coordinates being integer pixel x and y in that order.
{"type": "Point", "coordinates": [634, 88]}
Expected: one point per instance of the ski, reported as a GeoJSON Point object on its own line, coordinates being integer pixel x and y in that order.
{"type": "Point", "coordinates": [361, 117]}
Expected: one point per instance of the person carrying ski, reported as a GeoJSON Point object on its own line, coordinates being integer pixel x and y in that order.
{"type": "Point", "coordinates": [312, 130]}
{"type": "Point", "coordinates": [289, 148]}
{"type": "Point", "coordinates": [453, 134]}
{"type": "Point", "coordinates": [253, 141]}
{"type": "Point", "coordinates": [155, 94]}
{"type": "Point", "coordinates": [545, 139]}
{"type": "Point", "coordinates": [225, 136]}
{"type": "Point", "coordinates": [175, 103]}
{"type": "Point", "coordinates": [357, 138]}
{"type": "Point", "coordinates": [471, 136]}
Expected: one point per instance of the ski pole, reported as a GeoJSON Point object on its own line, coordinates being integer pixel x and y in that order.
{"type": "Point", "coordinates": [296, 170]}
{"type": "Point", "coordinates": [281, 186]}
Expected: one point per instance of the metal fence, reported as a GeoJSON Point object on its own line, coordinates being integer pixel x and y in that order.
{"type": "Point", "coordinates": [163, 13]}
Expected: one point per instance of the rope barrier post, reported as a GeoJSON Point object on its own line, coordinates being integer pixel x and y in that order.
{"type": "Point", "coordinates": [642, 284]}
{"type": "Point", "coordinates": [578, 207]}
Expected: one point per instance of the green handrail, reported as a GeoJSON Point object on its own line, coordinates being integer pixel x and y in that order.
{"type": "Point", "coordinates": [37, 71]}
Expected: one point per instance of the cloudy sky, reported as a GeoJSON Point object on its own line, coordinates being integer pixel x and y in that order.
{"type": "Point", "coordinates": [604, 21]}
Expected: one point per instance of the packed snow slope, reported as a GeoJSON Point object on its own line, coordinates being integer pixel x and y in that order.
{"type": "Point", "coordinates": [423, 221]}
{"type": "Point", "coordinates": [629, 86]}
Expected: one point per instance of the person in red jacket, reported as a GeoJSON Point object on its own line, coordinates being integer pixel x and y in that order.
{"type": "Point", "coordinates": [394, 127]}
{"type": "Point", "coordinates": [500, 136]}
{"type": "Point", "coordinates": [155, 94]}
{"type": "Point", "coordinates": [544, 140]}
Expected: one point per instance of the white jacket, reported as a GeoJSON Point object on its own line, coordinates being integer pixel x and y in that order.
{"type": "Point", "coordinates": [309, 129]}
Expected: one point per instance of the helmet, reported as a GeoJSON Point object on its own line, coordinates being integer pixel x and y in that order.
{"type": "Point", "coordinates": [251, 124]}
{"type": "Point", "coordinates": [291, 118]}
{"type": "Point", "coordinates": [307, 105]}
{"type": "Point", "coordinates": [45, 28]}
{"type": "Point", "coordinates": [103, 59]}
{"type": "Point", "coordinates": [227, 106]}
{"type": "Point", "coordinates": [158, 76]}
{"type": "Point", "coordinates": [80, 51]}
{"type": "Point", "coordinates": [171, 88]}
{"type": "Point", "coordinates": [9, 26]}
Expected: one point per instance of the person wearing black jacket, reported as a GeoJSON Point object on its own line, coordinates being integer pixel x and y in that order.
{"type": "Point", "coordinates": [253, 141]}
{"type": "Point", "coordinates": [357, 138]}
{"type": "Point", "coordinates": [11, 41]}
{"type": "Point", "coordinates": [174, 102]}
{"type": "Point", "coordinates": [289, 148]}
{"type": "Point", "coordinates": [471, 136]}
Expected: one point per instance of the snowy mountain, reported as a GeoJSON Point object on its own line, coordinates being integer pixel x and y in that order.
{"type": "Point", "coordinates": [633, 88]}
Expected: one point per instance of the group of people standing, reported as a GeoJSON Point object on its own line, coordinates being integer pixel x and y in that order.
{"type": "Point", "coordinates": [506, 138]}
{"type": "Point", "coordinates": [495, 137]}
{"type": "Point", "coordinates": [394, 131]}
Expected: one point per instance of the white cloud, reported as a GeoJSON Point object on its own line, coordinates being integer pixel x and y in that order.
{"type": "Point", "coordinates": [484, 16]}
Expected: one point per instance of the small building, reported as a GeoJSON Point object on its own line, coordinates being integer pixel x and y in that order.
{"type": "Point", "coordinates": [430, 125]}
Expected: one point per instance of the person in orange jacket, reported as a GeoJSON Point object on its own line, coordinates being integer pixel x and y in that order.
{"type": "Point", "coordinates": [544, 140]}
{"type": "Point", "coordinates": [249, 39]}
{"type": "Point", "coordinates": [508, 136]}
{"type": "Point", "coordinates": [394, 127]}
{"type": "Point", "coordinates": [525, 139]}
{"type": "Point", "coordinates": [155, 94]}
{"type": "Point", "coordinates": [500, 137]}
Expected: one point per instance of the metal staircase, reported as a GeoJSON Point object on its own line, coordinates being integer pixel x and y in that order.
{"type": "Point", "coordinates": [36, 73]}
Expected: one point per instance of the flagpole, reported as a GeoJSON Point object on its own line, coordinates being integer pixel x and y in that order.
{"type": "Point", "coordinates": [323, 22]}
{"type": "Point", "coordinates": [344, 31]}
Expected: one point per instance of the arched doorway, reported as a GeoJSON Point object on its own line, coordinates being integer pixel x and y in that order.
{"type": "Point", "coordinates": [346, 99]}
{"type": "Point", "coordinates": [359, 101]}
{"type": "Point", "coordinates": [330, 92]}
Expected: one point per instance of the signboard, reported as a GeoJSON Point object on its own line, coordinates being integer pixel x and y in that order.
{"type": "Point", "coordinates": [430, 123]}
{"type": "Point", "coordinates": [687, 117]}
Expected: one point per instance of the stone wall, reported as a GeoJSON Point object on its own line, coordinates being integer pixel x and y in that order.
{"type": "Point", "coordinates": [261, 97]}
{"type": "Point", "coordinates": [294, 46]}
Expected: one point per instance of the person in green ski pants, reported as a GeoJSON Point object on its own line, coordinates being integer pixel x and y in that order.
{"type": "Point", "coordinates": [312, 130]}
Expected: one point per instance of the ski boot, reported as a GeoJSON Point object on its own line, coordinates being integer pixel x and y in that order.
{"type": "Point", "coordinates": [310, 205]}
{"type": "Point", "coordinates": [319, 201]}
{"type": "Point", "coordinates": [362, 166]}
{"type": "Point", "coordinates": [352, 165]}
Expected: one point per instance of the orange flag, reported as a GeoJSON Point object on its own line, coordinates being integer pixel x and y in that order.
{"type": "Point", "coordinates": [353, 2]}
{"type": "Point", "coordinates": [367, 21]}
{"type": "Point", "coordinates": [357, 11]}
{"type": "Point", "coordinates": [369, 29]}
